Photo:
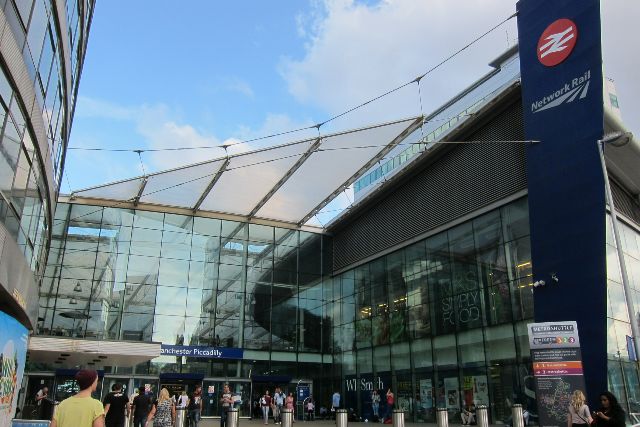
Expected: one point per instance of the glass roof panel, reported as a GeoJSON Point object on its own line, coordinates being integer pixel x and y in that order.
{"type": "Point", "coordinates": [250, 176]}
{"type": "Point", "coordinates": [123, 190]}
{"type": "Point", "coordinates": [338, 159]}
{"type": "Point", "coordinates": [180, 187]}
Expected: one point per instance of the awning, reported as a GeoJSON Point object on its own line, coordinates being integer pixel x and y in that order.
{"type": "Point", "coordinates": [287, 183]}
{"type": "Point", "coordinates": [71, 352]}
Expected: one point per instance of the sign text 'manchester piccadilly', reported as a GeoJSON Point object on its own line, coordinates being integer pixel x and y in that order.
{"type": "Point", "coordinates": [201, 352]}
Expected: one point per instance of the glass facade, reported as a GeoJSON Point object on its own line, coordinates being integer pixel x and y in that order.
{"type": "Point", "coordinates": [442, 322]}
{"type": "Point", "coordinates": [183, 280]}
{"type": "Point", "coordinates": [24, 208]}
{"type": "Point", "coordinates": [623, 374]}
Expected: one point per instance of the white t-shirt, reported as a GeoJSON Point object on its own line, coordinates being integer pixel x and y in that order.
{"type": "Point", "coordinates": [581, 416]}
{"type": "Point", "coordinates": [182, 400]}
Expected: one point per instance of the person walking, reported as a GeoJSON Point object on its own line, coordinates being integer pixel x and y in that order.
{"type": "Point", "coordinates": [116, 407]}
{"type": "Point", "coordinates": [226, 403]}
{"type": "Point", "coordinates": [194, 407]}
{"type": "Point", "coordinates": [390, 403]}
{"type": "Point", "coordinates": [265, 404]}
{"type": "Point", "coordinates": [140, 408]}
{"type": "Point", "coordinates": [335, 403]}
{"type": "Point", "coordinates": [610, 413]}
{"type": "Point", "coordinates": [375, 404]}
{"type": "Point", "coordinates": [278, 404]}
{"type": "Point", "coordinates": [289, 404]}
{"type": "Point", "coordinates": [81, 410]}
{"type": "Point", "coordinates": [163, 412]}
{"type": "Point", "coordinates": [311, 406]}
{"type": "Point", "coordinates": [579, 415]}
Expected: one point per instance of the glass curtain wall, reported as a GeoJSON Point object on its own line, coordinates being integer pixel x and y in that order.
{"type": "Point", "coordinates": [23, 204]}
{"type": "Point", "coordinates": [136, 275]}
{"type": "Point", "coordinates": [441, 322]}
{"type": "Point", "coordinates": [623, 372]}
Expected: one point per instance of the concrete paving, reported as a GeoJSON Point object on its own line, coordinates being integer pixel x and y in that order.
{"type": "Point", "coordinates": [215, 422]}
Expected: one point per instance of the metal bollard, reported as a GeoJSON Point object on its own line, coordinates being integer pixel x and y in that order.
{"type": "Point", "coordinates": [341, 418]}
{"type": "Point", "coordinates": [181, 417]}
{"type": "Point", "coordinates": [442, 417]}
{"type": "Point", "coordinates": [482, 416]}
{"type": "Point", "coordinates": [398, 418]}
{"type": "Point", "coordinates": [286, 417]}
{"type": "Point", "coordinates": [232, 418]}
{"type": "Point", "coordinates": [516, 415]}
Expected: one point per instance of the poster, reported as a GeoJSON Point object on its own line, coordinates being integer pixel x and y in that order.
{"type": "Point", "coordinates": [13, 348]}
{"type": "Point", "coordinates": [475, 390]}
{"type": "Point", "coordinates": [557, 368]}
{"type": "Point", "coordinates": [426, 393]}
{"type": "Point", "coordinates": [451, 393]}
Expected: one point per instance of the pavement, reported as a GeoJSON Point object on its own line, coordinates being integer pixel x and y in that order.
{"type": "Point", "coordinates": [215, 422]}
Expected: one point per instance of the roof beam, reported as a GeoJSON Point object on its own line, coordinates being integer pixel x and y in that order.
{"type": "Point", "coordinates": [213, 182]}
{"type": "Point", "coordinates": [286, 177]}
{"type": "Point", "coordinates": [397, 140]}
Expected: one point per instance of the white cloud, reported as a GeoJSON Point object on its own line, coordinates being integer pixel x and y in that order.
{"type": "Point", "coordinates": [240, 86]}
{"type": "Point", "coordinates": [359, 51]}
{"type": "Point", "coordinates": [356, 50]}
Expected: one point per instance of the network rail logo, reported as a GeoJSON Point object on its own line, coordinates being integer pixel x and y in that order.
{"type": "Point", "coordinates": [576, 88]}
{"type": "Point", "coordinates": [557, 42]}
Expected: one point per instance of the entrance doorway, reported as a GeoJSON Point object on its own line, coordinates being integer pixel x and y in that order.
{"type": "Point", "coordinates": [180, 385]}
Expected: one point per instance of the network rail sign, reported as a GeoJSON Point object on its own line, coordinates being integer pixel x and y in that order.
{"type": "Point", "coordinates": [561, 70]}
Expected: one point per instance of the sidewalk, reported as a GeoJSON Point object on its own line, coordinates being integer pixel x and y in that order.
{"type": "Point", "coordinates": [321, 423]}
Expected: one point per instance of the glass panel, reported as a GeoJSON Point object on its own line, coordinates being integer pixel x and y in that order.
{"type": "Point", "coordinates": [180, 187]}
{"type": "Point", "coordinates": [123, 190]}
{"type": "Point", "coordinates": [254, 174]}
{"type": "Point", "coordinates": [327, 171]}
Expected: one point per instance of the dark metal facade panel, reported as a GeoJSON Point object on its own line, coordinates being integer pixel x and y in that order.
{"type": "Point", "coordinates": [625, 203]}
{"type": "Point", "coordinates": [464, 179]}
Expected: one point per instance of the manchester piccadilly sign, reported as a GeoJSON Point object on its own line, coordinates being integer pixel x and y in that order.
{"type": "Point", "coordinates": [201, 351]}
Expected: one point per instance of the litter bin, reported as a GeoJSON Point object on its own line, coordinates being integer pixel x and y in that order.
{"type": "Point", "coordinates": [442, 417]}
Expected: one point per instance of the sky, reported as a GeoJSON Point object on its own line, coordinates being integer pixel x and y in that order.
{"type": "Point", "coordinates": [168, 74]}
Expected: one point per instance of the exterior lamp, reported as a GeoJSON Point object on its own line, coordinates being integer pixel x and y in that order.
{"type": "Point", "coordinates": [619, 139]}
{"type": "Point", "coordinates": [78, 288]}
{"type": "Point", "coordinates": [73, 301]}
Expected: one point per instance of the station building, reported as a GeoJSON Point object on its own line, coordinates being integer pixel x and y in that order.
{"type": "Point", "coordinates": [213, 273]}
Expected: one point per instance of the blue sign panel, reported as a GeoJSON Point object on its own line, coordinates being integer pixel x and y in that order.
{"type": "Point", "coordinates": [304, 391]}
{"type": "Point", "coordinates": [201, 351]}
{"type": "Point", "coordinates": [561, 68]}
{"type": "Point", "coordinates": [30, 423]}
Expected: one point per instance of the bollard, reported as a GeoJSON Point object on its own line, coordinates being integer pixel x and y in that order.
{"type": "Point", "coordinates": [341, 418]}
{"type": "Point", "coordinates": [516, 415]}
{"type": "Point", "coordinates": [482, 416]}
{"type": "Point", "coordinates": [442, 417]}
{"type": "Point", "coordinates": [398, 418]}
{"type": "Point", "coordinates": [286, 417]}
{"type": "Point", "coordinates": [181, 417]}
{"type": "Point", "coordinates": [232, 418]}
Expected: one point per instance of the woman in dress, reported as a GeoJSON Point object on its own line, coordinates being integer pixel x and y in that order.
{"type": "Point", "coordinates": [579, 415]}
{"type": "Point", "coordinates": [288, 403]}
{"type": "Point", "coordinates": [610, 413]}
{"type": "Point", "coordinates": [163, 412]}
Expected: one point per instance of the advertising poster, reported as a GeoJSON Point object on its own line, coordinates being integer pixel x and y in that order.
{"type": "Point", "coordinates": [557, 368]}
{"type": "Point", "coordinates": [13, 348]}
{"type": "Point", "coordinates": [426, 393]}
{"type": "Point", "coordinates": [475, 390]}
{"type": "Point", "coordinates": [451, 393]}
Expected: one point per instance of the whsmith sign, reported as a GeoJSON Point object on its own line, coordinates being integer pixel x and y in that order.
{"type": "Point", "coordinates": [201, 352]}
{"type": "Point", "coordinates": [561, 70]}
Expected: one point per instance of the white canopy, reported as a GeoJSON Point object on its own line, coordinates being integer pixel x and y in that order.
{"type": "Point", "coordinates": [288, 183]}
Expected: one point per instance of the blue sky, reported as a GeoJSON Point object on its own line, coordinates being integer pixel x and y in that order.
{"type": "Point", "coordinates": [183, 74]}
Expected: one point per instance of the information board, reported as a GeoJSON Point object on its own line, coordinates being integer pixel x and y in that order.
{"type": "Point", "coordinates": [557, 368]}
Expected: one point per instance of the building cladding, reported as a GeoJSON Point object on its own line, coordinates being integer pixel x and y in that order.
{"type": "Point", "coordinates": [42, 46]}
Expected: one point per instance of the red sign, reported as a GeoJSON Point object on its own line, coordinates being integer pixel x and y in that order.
{"type": "Point", "coordinates": [557, 42]}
